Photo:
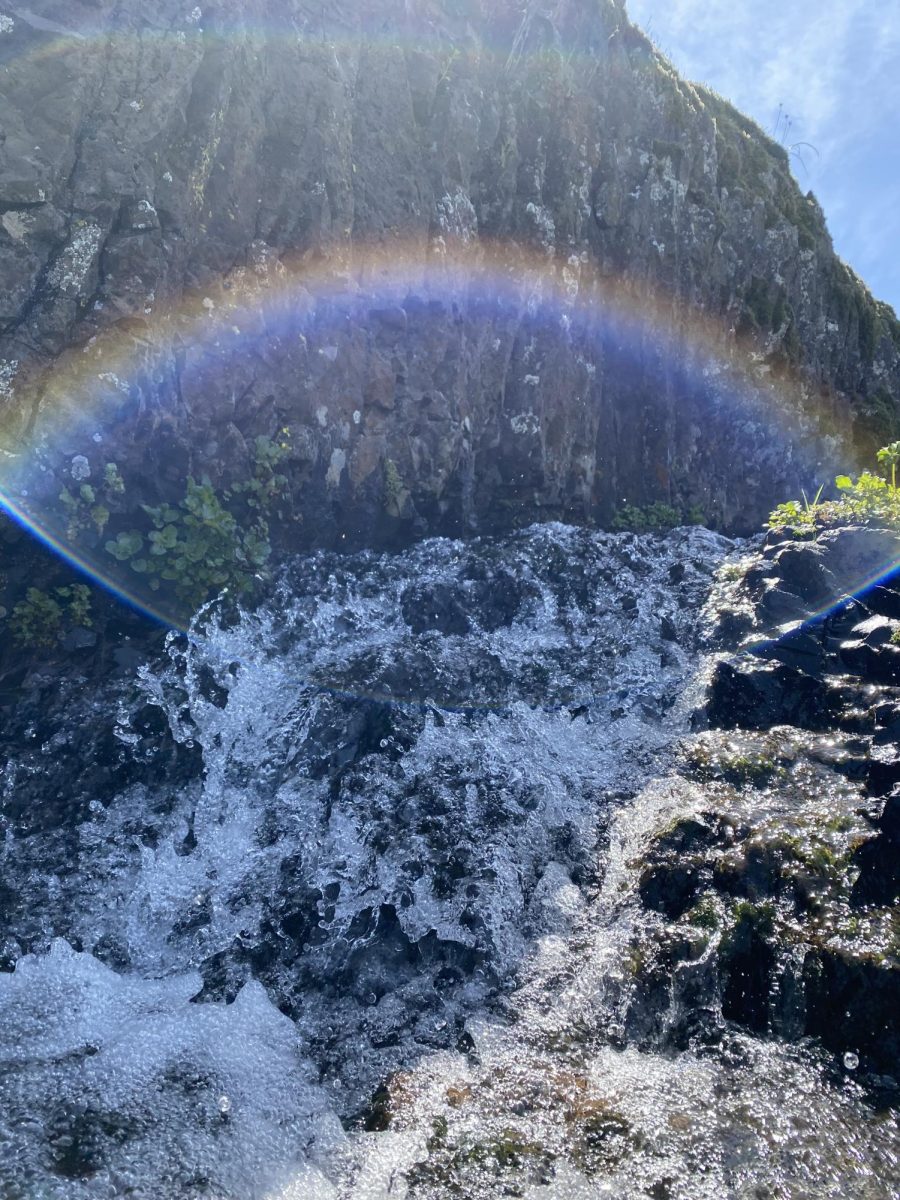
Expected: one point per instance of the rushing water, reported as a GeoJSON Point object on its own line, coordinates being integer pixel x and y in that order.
{"type": "Point", "coordinates": [361, 921]}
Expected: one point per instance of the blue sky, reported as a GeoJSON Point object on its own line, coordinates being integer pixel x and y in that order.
{"type": "Point", "coordinates": [834, 68]}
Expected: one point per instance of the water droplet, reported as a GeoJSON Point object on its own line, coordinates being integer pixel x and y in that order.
{"type": "Point", "coordinates": [224, 1104]}
{"type": "Point", "coordinates": [851, 1061]}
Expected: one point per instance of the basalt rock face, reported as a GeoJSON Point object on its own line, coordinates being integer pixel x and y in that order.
{"type": "Point", "coordinates": [164, 176]}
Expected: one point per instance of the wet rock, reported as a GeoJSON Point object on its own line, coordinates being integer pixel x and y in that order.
{"type": "Point", "coordinates": [677, 866]}
{"type": "Point", "coordinates": [853, 1003]}
{"type": "Point", "coordinates": [841, 621]}
{"type": "Point", "coordinates": [657, 967]}
{"type": "Point", "coordinates": [879, 662]}
{"type": "Point", "coordinates": [668, 630]}
{"type": "Point", "coordinates": [878, 859]}
{"type": "Point", "coordinates": [671, 889]}
{"type": "Point", "coordinates": [79, 639]}
{"type": "Point", "coordinates": [779, 605]}
{"type": "Point", "coordinates": [883, 772]}
{"type": "Point", "coordinates": [496, 596]}
{"type": "Point", "coordinates": [783, 874]}
{"type": "Point", "coordinates": [435, 607]}
{"type": "Point", "coordinates": [804, 572]}
{"type": "Point", "coordinates": [755, 870]}
{"type": "Point", "coordinates": [886, 720]}
{"type": "Point", "coordinates": [874, 631]}
{"type": "Point", "coordinates": [347, 729]}
{"type": "Point", "coordinates": [750, 695]}
{"type": "Point", "coordinates": [801, 647]}
{"type": "Point", "coordinates": [746, 961]}
{"type": "Point", "coordinates": [79, 759]}
{"type": "Point", "coordinates": [849, 757]}
{"type": "Point", "coordinates": [885, 601]}
{"type": "Point", "coordinates": [856, 554]}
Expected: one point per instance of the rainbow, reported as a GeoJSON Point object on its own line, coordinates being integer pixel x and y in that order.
{"type": "Point", "coordinates": [262, 303]}
{"type": "Point", "coordinates": [258, 303]}
{"type": "Point", "coordinates": [92, 387]}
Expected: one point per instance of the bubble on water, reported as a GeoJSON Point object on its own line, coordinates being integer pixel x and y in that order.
{"type": "Point", "coordinates": [851, 1061]}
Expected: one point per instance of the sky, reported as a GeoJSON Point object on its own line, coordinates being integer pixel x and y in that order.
{"type": "Point", "coordinates": [826, 72]}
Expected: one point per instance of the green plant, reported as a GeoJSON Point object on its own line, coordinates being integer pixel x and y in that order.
{"type": "Point", "coordinates": [393, 488]}
{"type": "Point", "coordinates": [267, 483]}
{"type": "Point", "coordinates": [112, 479]}
{"type": "Point", "coordinates": [42, 619]}
{"type": "Point", "coordinates": [650, 518]}
{"type": "Point", "coordinates": [705, 914]}
{"type": "Point", "coordinates": [795, 514]}
{"type": "Point", "coordinates": [732, 572]}
{"type": "Point", "coordinates": [841, 823]}
{"type": "Point", "coordinates": [760, 917]}
{"type": "Point", "coordinates": [89, 505]}
{"type": "Point", "coordinates": [207, 541]}
{"type": "Point", "coordinates": [869, 500]}
{"type": "Point", "coordinates": [195, 546]}
{"type": "Point", "coordinates": [889, 456]}
{"type": "Point", "coordinates": [695, 515]}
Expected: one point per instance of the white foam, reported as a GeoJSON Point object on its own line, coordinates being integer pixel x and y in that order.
{"type": "Point", "coordinates": [123, 1083]}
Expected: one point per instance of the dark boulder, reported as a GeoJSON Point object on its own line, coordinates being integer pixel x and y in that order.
{"type": "Point", "coordinates": [885, 601]}
{"type": "Point", "coordinates": [749, 694]}
{"type": "Point", "coordinates": [844, 618]}
{"type": "Point", "coordinates": [857, 554]}
{"type": "Point", "coordinates": [778, 605]}
{"type": "Point", "coordinates": [804, 571]}
{"type": "Point", "coordinates": [879, 663]}
{"type": "Point", "coordinates": [874, 631]}
{"type": "Point", "coordinates": [801, 646]}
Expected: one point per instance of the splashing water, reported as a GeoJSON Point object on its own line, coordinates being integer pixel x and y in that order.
{"type": "Point", "coordinates": [360, 923]}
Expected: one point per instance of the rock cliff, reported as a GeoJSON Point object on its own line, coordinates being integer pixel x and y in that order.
{"type": "Point", "coordinates": [486, 266]}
